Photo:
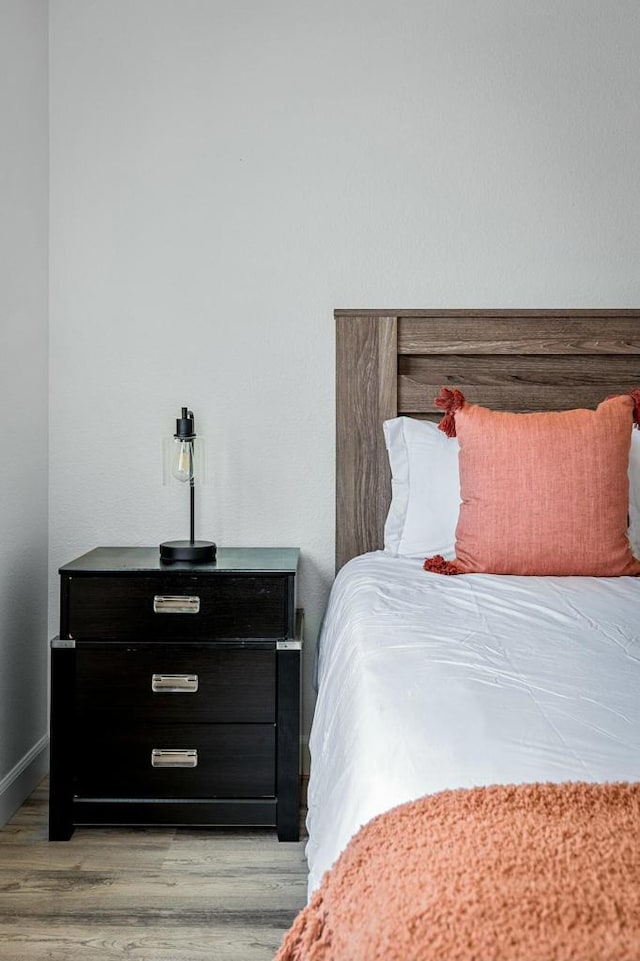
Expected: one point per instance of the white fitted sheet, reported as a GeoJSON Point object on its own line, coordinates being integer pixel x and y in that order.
{"type": "Point", "coordinates": [428, 682]}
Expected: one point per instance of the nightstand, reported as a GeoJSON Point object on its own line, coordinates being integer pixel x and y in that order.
{"type": "Point", "coordinates": [175, 691]}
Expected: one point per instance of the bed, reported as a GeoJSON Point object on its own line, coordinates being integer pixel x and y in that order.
{"type": "Point", "coordinates": [469, 704]}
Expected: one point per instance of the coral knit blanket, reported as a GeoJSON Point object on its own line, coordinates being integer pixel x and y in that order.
{"type": "Point", "coordinates": [538, 872]}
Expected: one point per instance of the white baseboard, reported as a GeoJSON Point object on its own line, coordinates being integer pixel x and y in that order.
{"type": "Point", "coordinates": [17, 785]}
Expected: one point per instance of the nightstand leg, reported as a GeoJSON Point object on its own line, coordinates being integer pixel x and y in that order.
{"type": "Point", "coordinates": [63, 665]}
{"type": "Point", "coordinates": [288, 727]}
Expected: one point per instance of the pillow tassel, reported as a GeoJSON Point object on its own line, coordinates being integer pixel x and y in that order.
{"type": "Point", "coordinates": [449, 401]}
{"type": "Point", "coordinates": [438, 565]}
{"type": "Point", "coordinates": [635, 397]}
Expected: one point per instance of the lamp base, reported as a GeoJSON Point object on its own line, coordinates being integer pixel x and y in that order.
{"type": "Point", "coordinates": [197, 552]}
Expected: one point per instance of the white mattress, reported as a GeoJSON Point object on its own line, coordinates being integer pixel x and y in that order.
{"type": "Point", "coordinates": [429, 682]}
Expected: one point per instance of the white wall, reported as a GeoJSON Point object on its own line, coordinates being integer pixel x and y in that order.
{"type": "Point", "coordinates": [23, 398]}
{"type": "Point", "coordinates": [224, 174]}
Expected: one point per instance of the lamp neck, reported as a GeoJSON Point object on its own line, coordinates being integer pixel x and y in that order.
{"type": "Point", "coordinates": [192, 510]}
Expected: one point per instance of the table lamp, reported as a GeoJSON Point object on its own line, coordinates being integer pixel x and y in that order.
{"type": "Point", "coordinates": [183, 463]}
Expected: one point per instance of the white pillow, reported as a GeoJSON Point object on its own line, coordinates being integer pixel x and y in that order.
{"type": "Point", "coordinates": [425, 489]}
{"type": "Point", "coordinates": [634, 492]}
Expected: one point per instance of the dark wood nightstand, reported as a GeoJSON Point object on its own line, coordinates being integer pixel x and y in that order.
{"type": "Point", "coordinates": [175, 691]}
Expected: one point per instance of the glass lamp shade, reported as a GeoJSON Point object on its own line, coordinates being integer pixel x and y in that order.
{"type": "Point", "coordinates": [184, 461]}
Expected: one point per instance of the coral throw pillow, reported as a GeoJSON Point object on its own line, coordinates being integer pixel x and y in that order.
{"type": "Point", "coordinates": [542, 493]}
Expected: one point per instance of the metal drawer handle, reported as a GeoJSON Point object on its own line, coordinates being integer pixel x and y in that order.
{"type": "Point", "coordinates": [176, 758]}
{"type": "Point", "coordinates": [174, 683]}
{"type": "Point", "coordinates": [175, 604]}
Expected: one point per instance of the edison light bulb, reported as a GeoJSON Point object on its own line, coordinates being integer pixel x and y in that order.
{"type": "Point", "coordinates": [182, 466]}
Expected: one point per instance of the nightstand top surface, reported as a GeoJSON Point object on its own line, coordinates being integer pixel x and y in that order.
{"type": "Point", "coordinates": [242, 559]}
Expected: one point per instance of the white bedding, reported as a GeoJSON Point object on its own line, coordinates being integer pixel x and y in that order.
{"type": "Point", "coordinates": [429, 682]}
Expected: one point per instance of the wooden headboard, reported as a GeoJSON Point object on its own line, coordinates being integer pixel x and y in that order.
{"type": "Point", "coordinates": [393, 362]}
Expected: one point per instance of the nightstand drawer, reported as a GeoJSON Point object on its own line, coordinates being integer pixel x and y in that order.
{"type": "Point", "coordinates": [177, 606]}
{"type": "Point", "coordinates": [190, 761]}
{"type": "Point", "coordinates": [121, 684]}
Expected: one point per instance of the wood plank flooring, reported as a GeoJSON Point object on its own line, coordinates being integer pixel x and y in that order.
{"type": "Point", "coordinates": [144, 894]}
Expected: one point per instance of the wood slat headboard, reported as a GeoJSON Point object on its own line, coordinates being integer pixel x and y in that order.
{"type": "Point", "coordinates": [393, 362]}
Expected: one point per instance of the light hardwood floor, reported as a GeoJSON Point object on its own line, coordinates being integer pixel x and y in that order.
{"type": "Point", "coordinates": [144, 894]}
